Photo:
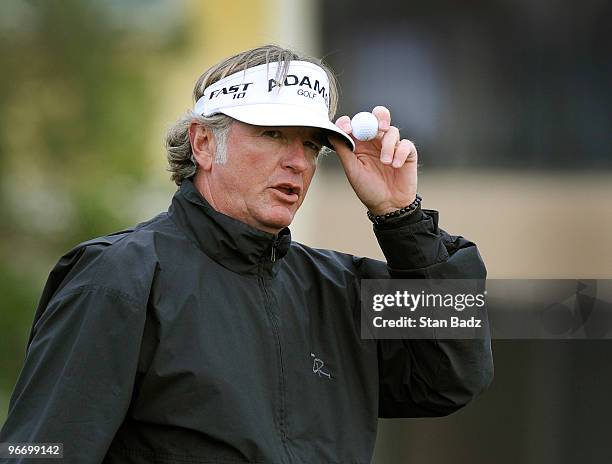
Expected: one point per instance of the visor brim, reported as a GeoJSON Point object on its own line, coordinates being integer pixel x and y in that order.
{"type": "Point", "coordinates": [271, 114]}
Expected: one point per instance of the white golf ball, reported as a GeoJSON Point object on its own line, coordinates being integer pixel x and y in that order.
{"type": "Point", "coordinates": [365, 126]}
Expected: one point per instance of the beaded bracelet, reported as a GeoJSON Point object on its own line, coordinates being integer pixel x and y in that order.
{"type": "Point", "coordinates": [405, 211]}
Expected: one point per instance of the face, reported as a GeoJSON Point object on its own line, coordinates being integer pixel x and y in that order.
{"type": "Point", "coordinates": [266, 176]}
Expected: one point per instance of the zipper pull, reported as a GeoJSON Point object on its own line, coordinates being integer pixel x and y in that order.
{"type": "Point", "coordinates": [273, 254]}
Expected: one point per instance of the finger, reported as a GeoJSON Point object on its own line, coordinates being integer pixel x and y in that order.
{"type": "Point", "coordinates": [383, 115]}
{"type": "Point", "coordinates": [404, 151]}
{"type": "Point", "coordinates": [389, 142]}
{"type": "Point", "coordinates": [344, 123]}
{"type": "Point", "coordinates": [346, 155]}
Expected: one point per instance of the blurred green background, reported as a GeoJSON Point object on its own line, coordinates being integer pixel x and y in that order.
{"type": "Point", "coordinates": [77, 101]}
{"type": "Point", "coordinates": [508, 102]}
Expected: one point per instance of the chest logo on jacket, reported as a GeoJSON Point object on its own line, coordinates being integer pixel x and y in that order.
{"type": "Point", "coordinates": [317, 367]}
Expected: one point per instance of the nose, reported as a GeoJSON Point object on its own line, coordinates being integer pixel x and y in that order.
{"type": "Point", "coordinates": [295, 157]}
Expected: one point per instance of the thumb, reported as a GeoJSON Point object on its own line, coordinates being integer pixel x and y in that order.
{"type": "Point", "coordinates": [346, 155]}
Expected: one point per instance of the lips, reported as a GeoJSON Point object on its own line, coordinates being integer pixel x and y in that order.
{"type": "Point", "coordinates": [288, 191]}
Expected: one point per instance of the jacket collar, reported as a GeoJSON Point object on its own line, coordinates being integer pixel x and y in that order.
{"type": "Point", "coordinates": [229, 242]}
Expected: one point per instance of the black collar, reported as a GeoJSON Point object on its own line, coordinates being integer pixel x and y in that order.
{"type": "Point", "coordinates": [229, 242]}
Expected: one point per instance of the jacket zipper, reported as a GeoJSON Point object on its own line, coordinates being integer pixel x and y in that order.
{"type": "Point", "coordinates": [279, 351]}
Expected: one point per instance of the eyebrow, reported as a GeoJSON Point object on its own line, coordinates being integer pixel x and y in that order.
{"type": "Point", "coordinates": [318, 135]}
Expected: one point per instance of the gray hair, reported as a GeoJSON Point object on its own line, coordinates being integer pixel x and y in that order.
{"type": "Point", "coordinates": [181, 162]}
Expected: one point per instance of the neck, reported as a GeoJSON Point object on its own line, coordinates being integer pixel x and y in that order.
{"type": "Point", "coordinates": [202, 184]}
{"type": "Point", "coordinates": [230, 242]}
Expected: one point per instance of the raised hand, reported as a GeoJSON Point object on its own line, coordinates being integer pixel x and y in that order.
{"type": "Point", "coordinates": [382, 171]}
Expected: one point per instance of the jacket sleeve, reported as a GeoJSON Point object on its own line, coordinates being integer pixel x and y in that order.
{"type": "Point", "coordinates": [79, 371]}
{"type": "Point", "coordinates": [421, 378]}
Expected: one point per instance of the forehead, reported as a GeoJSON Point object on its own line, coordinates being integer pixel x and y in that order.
{"type": "Point", "coordinates": [315, 133]}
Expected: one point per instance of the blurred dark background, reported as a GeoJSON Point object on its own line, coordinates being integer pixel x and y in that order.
{"type": "Point", "coordinates": [495, 84]}
{"type": "Point", "coordinates": [507, 101]}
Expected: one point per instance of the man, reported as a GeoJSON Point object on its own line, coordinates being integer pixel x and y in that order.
{"type": "Point", "coordinates": [206, 335]}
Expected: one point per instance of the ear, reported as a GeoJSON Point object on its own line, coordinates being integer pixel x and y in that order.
{"type": "Point", "coordinates": [202, 145]}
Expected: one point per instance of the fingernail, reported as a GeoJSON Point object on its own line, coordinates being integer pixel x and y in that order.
{"type": "Point", "coordinates": [397, 163]}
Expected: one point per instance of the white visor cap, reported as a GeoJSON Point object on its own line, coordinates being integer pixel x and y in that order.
{"type": "Point", "coordinates": [254, 96]}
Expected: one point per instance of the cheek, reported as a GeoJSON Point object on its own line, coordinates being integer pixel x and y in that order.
{"type": "Point", "coordinates": [308, 175]}
{"type": "Point", "coordinates": [312, 170]}
{"type": "Point", "coordinates": [255, 168]}
{"type": "Point", "coordinates": [242, 171]}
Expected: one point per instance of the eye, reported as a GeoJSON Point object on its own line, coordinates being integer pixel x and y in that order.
{"type": "Point", "coordinates": [272, 134]}
{"type": "Point", "coordinates": [313, 146]}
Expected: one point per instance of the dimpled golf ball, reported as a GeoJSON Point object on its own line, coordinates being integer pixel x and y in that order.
{"type": "Point", "coordinates": [365, 126]}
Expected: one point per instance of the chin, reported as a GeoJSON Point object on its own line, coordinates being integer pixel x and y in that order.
{"type": "Point", "coordinates": [277, 222]}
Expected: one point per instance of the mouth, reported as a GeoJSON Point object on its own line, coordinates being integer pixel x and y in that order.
{"type": "Point", "coordinates": [288, 192]}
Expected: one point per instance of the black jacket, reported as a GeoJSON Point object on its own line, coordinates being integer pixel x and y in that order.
{"type": "Point", "coordinates": [194, 338]}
